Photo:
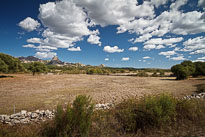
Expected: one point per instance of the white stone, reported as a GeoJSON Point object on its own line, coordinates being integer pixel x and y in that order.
{"type": "Point", "coordinates": [23, 112]}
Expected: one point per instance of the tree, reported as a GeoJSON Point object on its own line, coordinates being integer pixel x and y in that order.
{"type": "Point", "coordinates": [14, 64]}
{"type": "Point", "coordinates": [37, 67]}
{"type": "Point", "coordinates": [180, 71]}
{"type": "Point", "coordinates": [3, 66]}
{"type": "Point", "coordinates": [200, 69]}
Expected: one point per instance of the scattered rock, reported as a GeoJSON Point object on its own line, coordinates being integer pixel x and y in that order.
{"type": "Point", "coordinates": [195, 96]}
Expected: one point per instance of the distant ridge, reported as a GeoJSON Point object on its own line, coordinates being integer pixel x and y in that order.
{"type": "Point", "coordinates": [54, 61]}
{"type": "Point", "coordinates": [29, 59]}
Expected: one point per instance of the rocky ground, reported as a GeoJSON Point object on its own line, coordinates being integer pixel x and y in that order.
{"type": "Point", "coordinates": [25, 92]}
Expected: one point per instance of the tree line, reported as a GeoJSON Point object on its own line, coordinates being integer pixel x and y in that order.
{"type": "Point", "coordinates": [188, 68]}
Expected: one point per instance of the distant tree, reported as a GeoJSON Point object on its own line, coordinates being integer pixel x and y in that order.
{"type": "Point", "coordinates": [161, 73]}
{"type": "Point", "coordinates": [3, 66]}
{"type": "Point", "coordinates": [37, 67]}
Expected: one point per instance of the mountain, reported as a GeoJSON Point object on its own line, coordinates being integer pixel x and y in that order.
{"type": "Point", "coordinates": [56, 61]}
{"type": "Point", "coordinates": [29, 59]}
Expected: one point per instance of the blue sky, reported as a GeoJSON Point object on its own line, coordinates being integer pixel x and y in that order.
{"type": "Point", "coordinates": [117, 33]}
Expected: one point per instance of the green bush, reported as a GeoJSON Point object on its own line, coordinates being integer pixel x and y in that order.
{"type": "Point", "coordinates": [142, 74]}
{"type": "Point", "coordinates": [74, 121]}
{"type": "Point", "coordinates": [154, 111]}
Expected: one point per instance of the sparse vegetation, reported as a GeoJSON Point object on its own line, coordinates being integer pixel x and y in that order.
{"type": "Point", "coordinates": [160, 115]}
{"type": "Point", "coordinates": [142, 74]}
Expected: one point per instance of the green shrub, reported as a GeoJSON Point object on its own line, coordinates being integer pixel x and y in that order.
{"type": "Point", "coordinates": [142, 74]}
{"type": "Point", "coordinates": [200, 88]}
{"type": "Point", "coordinates": [74, 121]}
{"type": "Point", "coordinates": [154, 111]}
{"type": "Point", "coordinates": [155, 74]}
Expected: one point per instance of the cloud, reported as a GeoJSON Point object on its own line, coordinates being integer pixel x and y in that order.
{"type": "Point", "coordinates": [161, 41]}
{"type": "Point", "coordinates": [125, 59]}
{"type": "Point", "coordinates": [200, 51]}
{"type": "Point", "coordinates": [29, 46]}
{"type": "Point", "coordinates": [188, 23]}
{"type": "Point", "coordinates": [149, 47]}
{"type": "Point", "coordinates": [201, 3]}
{"type": "Point", "coordinates": [74, 49]}
{"type": "Point", "coordinates": [58, 18]}
{"type": "Point", "coordinates": [201, 58]}
{"type": "Point", "coordinates": [160, 47]}
{"type": "Point", "coordinates": [194, 44]}
{"type": "Point", "coordinates": [133, 49]}
{"type": "Point", "coordinates": [94, 39]}
{"type": "Point", "coordinates": [157, 3]}
{"type": "Point", "coordinates": [112, 49]}
{"type": "Point", "coordinates": [115, 12]}
{"type": "Point", "coordinates": [142, 38]}
{"type": "Point", "coordinates": [198, 60]}
{"type": "Point", "coordinates": [34, 40]}
{"type": "Point", "coordinates": [177, 4]}
{"type": "Point", "coordinates": [167, 53]}
{"type": "Point", "coordinates": [106, 59]}
{"type": "Point", "coordinates": [146, 57]}
{"type": "Point", "coordinates": [29, 24]}
{"type": "Point", "coordinates": [178, 58]}
{"type": "Point", "coordinates": [43, 55]}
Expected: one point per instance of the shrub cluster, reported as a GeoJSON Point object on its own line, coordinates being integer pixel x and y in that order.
{"type": "Point", "coordinates": [142, 74]}
{"type": "Point", "coordinates": [74, 121]}
{"type": "Point", "coordinates": [148, 112]}
{"type": "Point", "coordinates": [188, 68]}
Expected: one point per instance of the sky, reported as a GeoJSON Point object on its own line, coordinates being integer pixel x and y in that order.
{"type": "Point", "coordinates": [116, 33]}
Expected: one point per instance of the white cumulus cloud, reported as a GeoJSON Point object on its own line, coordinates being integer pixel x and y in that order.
{"type": "Point", "coordinates": [94, 38]}
{"type": "Point", "coordinates": [178, 58]}
{"type": "Point", "coordinates": [149, 46]}
{"type": "Point", "coordinates": [125, 59]}
{"type": "Point", "coordinates": [43, 55]}
{"type": "Point", "coordinates": [74, 49]}
{"type": "Point", "coordinates": [167, 53]}
{"type": "Point", "coordinates": [133, 49]}
{"type": "Point", "coordinates": [146, 57]}
{"type": "Point", "coordinates": [161, 41]}
{"type": "Point", "coordinates": [106, 59]}
{"type": "Point", "coordinates": [194, 44]}
{"type": "Point", "coordinates": [112, 49]}
{"type": "Point", "coordinates": [29, 24]}
{"type": "Point", "coordinates": [201, 58]}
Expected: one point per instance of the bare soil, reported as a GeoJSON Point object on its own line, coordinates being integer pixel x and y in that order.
{"type": "Point", "coordinates": [24, 91]}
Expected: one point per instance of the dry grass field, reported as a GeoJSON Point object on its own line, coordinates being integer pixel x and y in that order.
{"type": "Point", "coordinates": [46, 91]}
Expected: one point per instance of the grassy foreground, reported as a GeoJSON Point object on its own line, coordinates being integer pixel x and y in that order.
{"type": "Point", "coordinates": [161, 115]}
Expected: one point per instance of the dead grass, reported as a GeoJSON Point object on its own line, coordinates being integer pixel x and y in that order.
{"type": "Point", "coordinates": [46, 91]}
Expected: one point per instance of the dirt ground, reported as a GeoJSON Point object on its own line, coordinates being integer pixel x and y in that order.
{"type": "Point", "coordinates": [24, 91]}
